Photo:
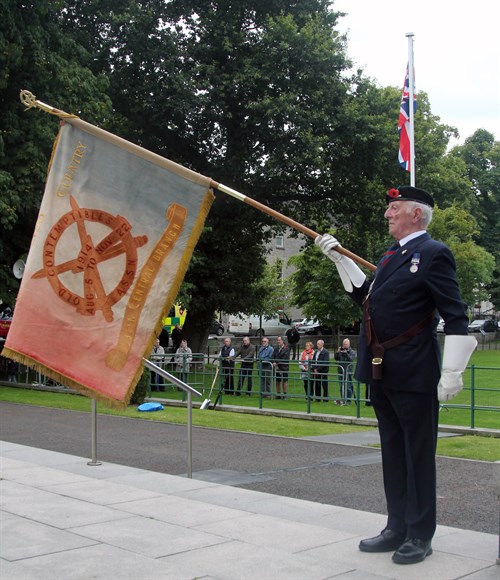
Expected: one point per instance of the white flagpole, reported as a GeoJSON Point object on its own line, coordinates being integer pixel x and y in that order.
{"type": "Point", "coordinates": [411, 106]}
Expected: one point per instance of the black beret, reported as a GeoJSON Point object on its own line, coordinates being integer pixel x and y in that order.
{"type": "Point", "coordinates": [409, 193]}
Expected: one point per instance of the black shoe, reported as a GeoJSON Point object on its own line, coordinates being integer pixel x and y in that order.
{"type": "Point", "coordinates": [386, 541]}
{"type": "Point", "coordinates": [412, 551]}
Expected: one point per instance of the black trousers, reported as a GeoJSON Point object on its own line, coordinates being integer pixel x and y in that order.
{"type": "Point", "coordinates": [408, 432]}
{"type": "Point", "coordinates": [246, 371]}
{"type": "Point", "coordinates": [320, 384]}
{"type": "Point", "coordinates": [228, 377]}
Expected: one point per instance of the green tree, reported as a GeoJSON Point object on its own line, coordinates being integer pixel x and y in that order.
{"type": "Point", "coordinates": [371, 168]}
{"type": "Point", "coordinates": [34, 55]}
{"type": "Point", "coordinates": [456, 227]}
{"type": "Point", "coordinates": [481, 155]}
{"type": "Point", "coordinates": [319, 292]}
{"type": "Point", "coordinates": [273, 289]}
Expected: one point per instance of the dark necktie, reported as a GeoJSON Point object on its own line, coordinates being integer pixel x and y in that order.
{"type": "Point", "coordinates": [388, 255]}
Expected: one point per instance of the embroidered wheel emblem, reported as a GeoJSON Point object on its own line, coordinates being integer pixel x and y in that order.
{"type": "Point", "coordinates": [116, 243]}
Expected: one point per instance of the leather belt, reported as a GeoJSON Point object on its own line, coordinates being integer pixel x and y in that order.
{"type": "Point", "coordinates": [379, 348]}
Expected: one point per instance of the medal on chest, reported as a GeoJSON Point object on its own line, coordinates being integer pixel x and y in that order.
{"type": "Point", "coordinates": [415, 262]}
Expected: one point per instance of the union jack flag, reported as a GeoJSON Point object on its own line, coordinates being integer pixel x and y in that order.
{"type": "Point", "coordinates": [404, 123]}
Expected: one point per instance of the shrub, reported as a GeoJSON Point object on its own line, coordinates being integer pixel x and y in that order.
{"type": "Point", "coordinates": [142, 388]}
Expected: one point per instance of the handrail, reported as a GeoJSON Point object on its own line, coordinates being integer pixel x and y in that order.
{"type": "Point", "coordinates": [171, 378]}
{"type": "Point", "coordinates": [190, 392]}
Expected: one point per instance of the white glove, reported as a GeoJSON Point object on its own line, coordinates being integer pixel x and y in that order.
{"type": "Point", "coordinates": [350, 274]}
{"type": "Point", "coordinates": [456, 355]}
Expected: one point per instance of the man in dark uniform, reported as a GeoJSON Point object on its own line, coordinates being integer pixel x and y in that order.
{"type": "Point", "coordinates": [399, 356]}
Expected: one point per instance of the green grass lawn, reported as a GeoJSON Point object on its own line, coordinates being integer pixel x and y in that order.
{"type": "Point", "coordinates": [483, 373]}
{"type": "Point", "coordinates": [486, 358]}
{"type": "Point", "coordinates": [469, 447]}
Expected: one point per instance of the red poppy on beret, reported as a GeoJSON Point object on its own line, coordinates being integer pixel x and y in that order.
{"type": "Point", "coordinates": [393, 193]}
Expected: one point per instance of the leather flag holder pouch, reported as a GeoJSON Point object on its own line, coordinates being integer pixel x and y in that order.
{"type": "Point", "coordinates": [377, 360]}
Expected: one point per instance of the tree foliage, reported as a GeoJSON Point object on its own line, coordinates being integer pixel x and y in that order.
{"type": "Point", "coordinates": [457, 228]}
{"type": "Point", "coordinates": [275, 292]}
{"type": "Point", "coordinates": [35, 55]}
{"type": "Point", "coordinates": [480, 154]}
{"type": "Point", "coordinates": [318, 290]}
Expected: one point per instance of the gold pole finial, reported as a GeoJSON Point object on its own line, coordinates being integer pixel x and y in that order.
{"type": "Point", "coordinates": [29, 100]}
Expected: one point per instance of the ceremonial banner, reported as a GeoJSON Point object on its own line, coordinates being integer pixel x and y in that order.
{"type": "Point", "coordinates": [115, 233]}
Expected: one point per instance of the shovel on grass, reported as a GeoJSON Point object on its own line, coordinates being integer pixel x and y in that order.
{"type": "Point", "coordinates": [207, 402]}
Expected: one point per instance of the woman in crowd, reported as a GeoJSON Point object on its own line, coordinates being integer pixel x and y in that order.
{"type": "Point", "coordinates": [306, 356]}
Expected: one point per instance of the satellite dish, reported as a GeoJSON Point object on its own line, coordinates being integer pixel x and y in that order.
{"type": "Point", "coordinates": [18, 269]}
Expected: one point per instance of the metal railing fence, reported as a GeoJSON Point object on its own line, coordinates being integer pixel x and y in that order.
{"type": "Point", "coordinates": [260, 385]}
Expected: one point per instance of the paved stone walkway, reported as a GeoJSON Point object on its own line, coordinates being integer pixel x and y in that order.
{"type": "Point", "coordinates": [63, 519]}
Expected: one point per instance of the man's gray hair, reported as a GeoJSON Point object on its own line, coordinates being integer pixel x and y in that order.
{"type": "Point", "coordinates": [426, 212]}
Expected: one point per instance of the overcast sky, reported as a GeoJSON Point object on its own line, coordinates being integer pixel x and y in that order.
{"type": "Point", "coordinates": [456, 54]}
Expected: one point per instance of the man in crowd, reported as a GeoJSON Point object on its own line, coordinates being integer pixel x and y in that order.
{"type": "Point", "coordinates": [227, 357]}
{"type": "Point", "coordinates": [345, 355]}
{"type": "Point", "coordinates": [247, 354]}
{"type": "Point", "coordinates": [293, 338]}
{"type": "Point", "coordinates": [320, 367]}
{"type": "Point", "coordinates": [281, 365]}
{"type": "Point", "coordinates": [265, 356]}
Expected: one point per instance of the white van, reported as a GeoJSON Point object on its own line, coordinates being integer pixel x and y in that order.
{"type": "Point", "coordinates": [244, 325]}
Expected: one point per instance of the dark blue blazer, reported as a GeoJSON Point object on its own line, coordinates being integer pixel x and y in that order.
{"type": "Point", "coordinates": [321, 361]}
{"type": "Point", "coordinates": [399, 299]}
{"type": "Point", "coordinates": [282, 358]}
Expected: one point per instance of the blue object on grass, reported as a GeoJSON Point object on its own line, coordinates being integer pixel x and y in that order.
{"type": "Point", "coordinates": [150, 407]}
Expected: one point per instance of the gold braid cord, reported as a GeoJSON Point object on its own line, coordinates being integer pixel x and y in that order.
{"type": "Point", "coordinates": [29, 100]}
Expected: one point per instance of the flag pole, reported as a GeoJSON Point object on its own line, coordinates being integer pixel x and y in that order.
{"type": "Point", "coordinates": [29, 100]}
{"type": "Point", "coordinates": [411, 106]}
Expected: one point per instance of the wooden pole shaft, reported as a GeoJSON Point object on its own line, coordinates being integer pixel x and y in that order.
{"type": "Point", "coordinates": [290, 222]}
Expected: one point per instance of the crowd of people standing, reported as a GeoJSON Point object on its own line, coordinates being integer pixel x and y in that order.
{"type": "Point", "coordinates": [271, 363]}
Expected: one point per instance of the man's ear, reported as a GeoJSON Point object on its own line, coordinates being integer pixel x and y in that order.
{"type": "Point", "coordinates": [417, 214]}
